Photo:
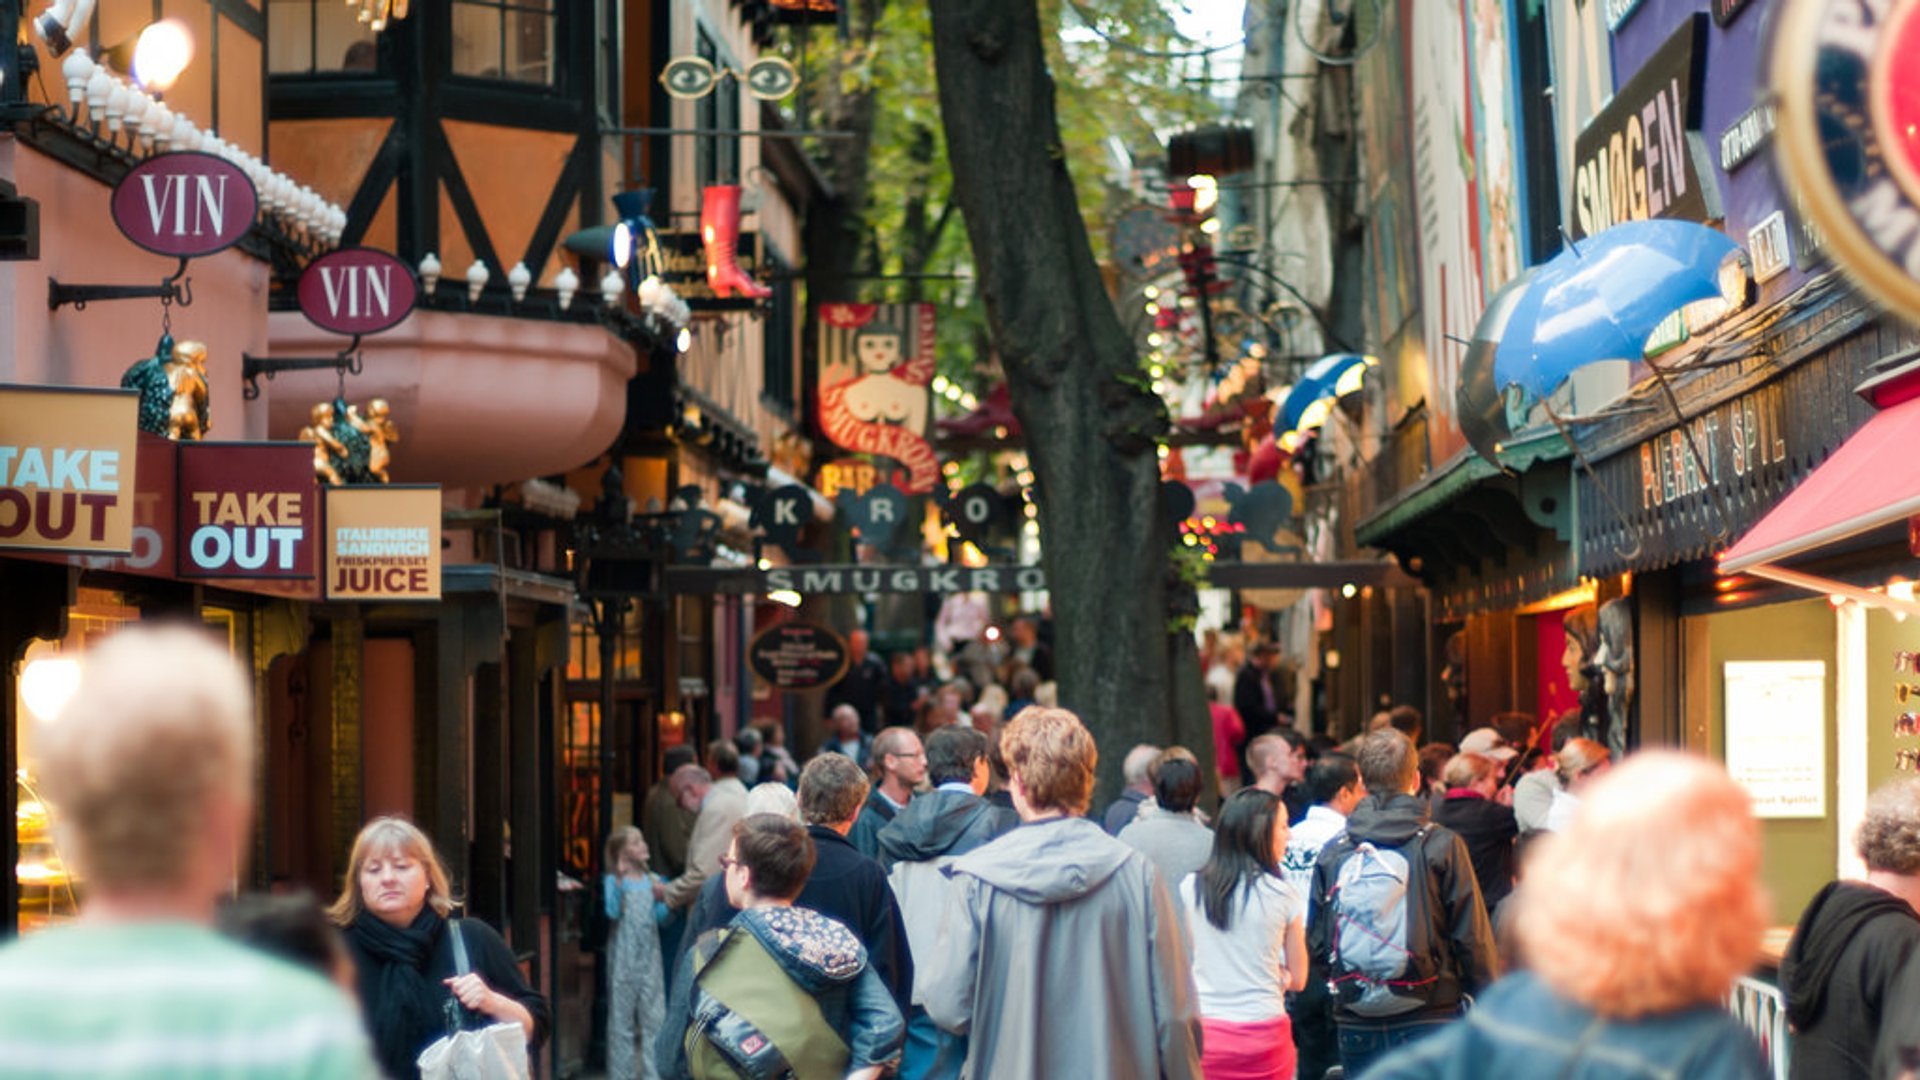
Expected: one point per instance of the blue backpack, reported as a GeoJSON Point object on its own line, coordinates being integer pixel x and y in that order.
{"type": "Point", "coordinates": [1383, 963]}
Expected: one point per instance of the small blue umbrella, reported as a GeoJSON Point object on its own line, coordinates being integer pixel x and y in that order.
{"type": "Point", "coordinates": [1601, 297]}
{"type": "Point", "coordinates": [1325, 380]}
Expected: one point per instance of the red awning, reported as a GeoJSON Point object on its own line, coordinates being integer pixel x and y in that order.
{"type": "Point", "coordinates": [1869, 482]}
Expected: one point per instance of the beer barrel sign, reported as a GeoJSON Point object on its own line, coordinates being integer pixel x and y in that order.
{"type": "Point", "coordinates": [798, 656]}
{"type": "Point", "coordinates": [185, 205]}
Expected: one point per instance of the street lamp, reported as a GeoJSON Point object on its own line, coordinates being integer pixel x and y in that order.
{"type": "Point", "coordinates": [164, 50]}
{"type": "Point", "coordinates": [615, 557]}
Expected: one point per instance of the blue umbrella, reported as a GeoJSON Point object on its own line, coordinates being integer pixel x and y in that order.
{"type": "Point", "coordinates": [1601, 297]}
{"type": "Point", "coordinates": [1325, 380]}
{"type": "Point", "coordinates": [1480, 404]}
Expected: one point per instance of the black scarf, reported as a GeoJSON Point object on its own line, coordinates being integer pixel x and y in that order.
{"type": "Point", "coordinates": [405, 1010]}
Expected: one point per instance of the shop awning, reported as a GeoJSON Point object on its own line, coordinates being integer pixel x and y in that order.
{"type": "Point", "coordinates": [1869, 482]}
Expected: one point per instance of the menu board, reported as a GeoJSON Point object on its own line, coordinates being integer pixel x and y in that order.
{"type": "Point", "coordinates": [798, 656]}
{"type": "Point", "coordinates": [1777, 735]}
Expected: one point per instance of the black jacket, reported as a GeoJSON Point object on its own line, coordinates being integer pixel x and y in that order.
{"type": "Point", "coordinates": [1121, 811]}
{"type": "Point", "coordinates": [1457, 928]}
{"type": "Point", "coordinates": [864, 687]}
{"type": "Point", "coordinates": [1250, 701]}
{"type": "Point", "coordinates": [1840, 967]}
{"type": "Point", "coordinates": [1489, 829]}
{"type": "Point", "coordinates": [853, 889]}
{"type": "Point", "coordinates": [487, 956]}
{"type": "Point", "coordinates": [942, 823]}
{"type": "Point", "coordinates": [865, 836]}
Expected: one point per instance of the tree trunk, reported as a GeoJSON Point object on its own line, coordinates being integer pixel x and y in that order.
{"type": "Point", "coordinates": [1076, 385]}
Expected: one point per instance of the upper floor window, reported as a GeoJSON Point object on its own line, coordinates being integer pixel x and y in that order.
{"type": "Point", "coordinates": [718, 159]}
{"type": "Point", "coordinates": [306, 36]}
{"type": "Point", "coordinates": [505, 39]}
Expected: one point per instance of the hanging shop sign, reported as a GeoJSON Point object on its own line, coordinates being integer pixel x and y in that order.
{"type": "Point", "coordinates": [185, 204]}
{"type": "Point", "coordinates": [247, 510]}
{"type": "Point", "coordinates": [876, 362]}
{"type": "Point", "coordinates": [1770, 243]}
{"type": "Point", "coordinates": [683, 265]}
{"type": "Point", "coordinates": [154, 495]}
{"type": "Point", "coordinates": [977, 512]}
{"type": "Point", "coordinates": [798, 656]}
{"type": "Point", "coordinates": [1743, 139]}
{"type": "Point", "coordinates": [1643, 156]}
{"type": "Point", "coordinates": [879, 515]}
{"type": "Point", "coordinates": [1619, 11]}
{"type": "Point", "coordinates": [357, 290]}
{"type": "Point", "coordinates": [66, 469]}
{"type": "Point", "coordinates": [1848, 97]}
{"type": "Point", "coordinates": [853, 474]}
{"type": "Point", "coordinates": [1725, 11]}
{"type": "Point", "coordinates": [383, 543]}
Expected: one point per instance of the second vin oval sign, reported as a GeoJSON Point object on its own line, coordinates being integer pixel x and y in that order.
{"type": "Point", "coordinates": [185, 205]}
{"type": "Point", "coordinates": [357, 290]}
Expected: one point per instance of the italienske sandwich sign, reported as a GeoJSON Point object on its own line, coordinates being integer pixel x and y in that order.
{"type": "Point", "coordinates": [66, 469]}
{"type": "Point", "coordinates": [185, 205]}
{"type": "Point", "coordinates": [357, 291]}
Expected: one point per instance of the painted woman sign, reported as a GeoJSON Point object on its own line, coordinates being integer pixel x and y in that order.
{"type": "Point", "coordinates": [875, 363]}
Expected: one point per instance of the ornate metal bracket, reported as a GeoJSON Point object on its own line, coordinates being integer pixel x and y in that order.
{"type": "Point", "coordinates": [346, 362]}
{"type": "Point", "coordinates": [175, 289]}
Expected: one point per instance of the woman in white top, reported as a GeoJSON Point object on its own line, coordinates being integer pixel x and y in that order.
{"type": "Point", "coordinates": [1249, 942]}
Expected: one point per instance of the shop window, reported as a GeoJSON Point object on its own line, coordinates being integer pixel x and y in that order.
{"type": "Point", "coordinates": [777, 385]}
{"type": "Point", "coordinates": [318, 36]}
{"type": "Point", "coordinates": [49, 892]}
{"type": "Point", "coordinates": [608, 37]}
{"type": "Point", "coordinates": [511, 40]}
{"type": "Point", "coordinates": [1540, 172]}
{"type": "Point", "coordinates": [718, 159]}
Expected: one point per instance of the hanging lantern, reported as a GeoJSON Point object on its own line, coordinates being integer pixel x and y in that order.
{"type": "Point", "coordinates": [375, 14]}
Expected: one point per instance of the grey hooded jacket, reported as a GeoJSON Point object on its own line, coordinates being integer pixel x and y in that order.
{"type": "Point", "coordinates": [1060, 953]}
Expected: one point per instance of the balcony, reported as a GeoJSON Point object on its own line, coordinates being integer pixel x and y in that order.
{"type": "Point", "coordinates": [479, 399]}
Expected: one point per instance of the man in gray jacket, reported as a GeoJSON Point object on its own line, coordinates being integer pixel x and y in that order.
{"type": "Point", "coordinates": [1059, 953]}
{"type": "Point", "coordinates": [921, 841]}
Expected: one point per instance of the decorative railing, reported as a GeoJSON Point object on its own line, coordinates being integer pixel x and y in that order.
{"type": "Point", "coordinates": [1763, 1009]}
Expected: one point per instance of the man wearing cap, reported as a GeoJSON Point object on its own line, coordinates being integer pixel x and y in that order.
{"type": "Point", "coordinates": [1473, 810]}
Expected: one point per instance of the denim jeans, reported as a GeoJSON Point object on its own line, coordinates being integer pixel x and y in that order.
{"type": "Point", "coordinates": [931, 1054]}
{"type": "Point", "coordinates": [1361, 1044]}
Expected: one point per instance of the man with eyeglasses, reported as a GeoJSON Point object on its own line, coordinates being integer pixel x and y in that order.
{"type": "Point", "coordinates": [899, 766]}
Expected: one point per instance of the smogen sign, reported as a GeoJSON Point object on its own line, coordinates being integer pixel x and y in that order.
{"type": "Point", "coordinates": [185, 205]}
{"type": "Point", "coordinates": [357, 291]}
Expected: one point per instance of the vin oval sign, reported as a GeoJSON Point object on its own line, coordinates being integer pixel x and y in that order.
{"type": "Point", "coordinates": [1846, 113]}
{"type": "Point", "coordinates": [357, 290]}
{"type": "Point", "coordinates": [185, 205]}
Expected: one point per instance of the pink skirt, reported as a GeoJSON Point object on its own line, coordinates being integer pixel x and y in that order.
{"type": "Point", "coordinates": [1262, 1050]}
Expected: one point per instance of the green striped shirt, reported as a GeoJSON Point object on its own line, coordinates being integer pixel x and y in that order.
{"type": "Point", "coordinates": [169, 1000]}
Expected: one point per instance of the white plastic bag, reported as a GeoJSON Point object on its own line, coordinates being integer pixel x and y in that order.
{"type": "Point", "coordinates": [497, 1052]}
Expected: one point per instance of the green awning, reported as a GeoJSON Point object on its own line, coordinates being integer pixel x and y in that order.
{"type": "Point", "coordinates": [1465, 470]}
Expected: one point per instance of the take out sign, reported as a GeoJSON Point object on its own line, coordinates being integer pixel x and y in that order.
{"type": "Point", "coordinates": [247, 510]}
{"type": "Point", "coordinates": [67, 469]}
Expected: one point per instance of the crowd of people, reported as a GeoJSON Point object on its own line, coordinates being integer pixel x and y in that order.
{"type": "Point", "coordinates": [955, 906]}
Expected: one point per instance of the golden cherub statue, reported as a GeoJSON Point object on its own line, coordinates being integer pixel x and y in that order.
{"type": "Point", "coordinates": [325, 447]}
{"type": "Point", "coordinates": [381, 432]}
{"type": "Point", "coordinates": [187, 378]}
